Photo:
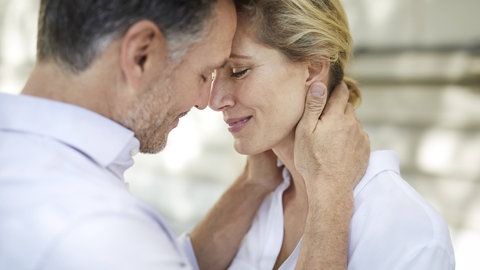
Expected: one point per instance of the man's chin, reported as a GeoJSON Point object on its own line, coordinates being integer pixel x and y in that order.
{"type": "Point", "coordinates": [151, 150]}
{"type": "Point", "coordinates": [153, 146]}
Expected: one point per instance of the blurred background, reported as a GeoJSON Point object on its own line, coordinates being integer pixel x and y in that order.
{"type": "Point", "coordinates": [418, 63]}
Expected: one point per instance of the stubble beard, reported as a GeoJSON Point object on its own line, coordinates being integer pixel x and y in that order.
{"type": "Point", "coordinates": [149, 117]}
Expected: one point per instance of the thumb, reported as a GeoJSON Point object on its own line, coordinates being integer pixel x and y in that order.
{"type": "Point", "coordinates": [314, 105]}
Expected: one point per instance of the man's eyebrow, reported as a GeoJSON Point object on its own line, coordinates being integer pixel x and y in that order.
{"type": "Point", "coordinates": [239, 56]}
{"type": "Point", "coordinates": [223, 64]}
{"type": "Point", "coordinates": [219, 66]}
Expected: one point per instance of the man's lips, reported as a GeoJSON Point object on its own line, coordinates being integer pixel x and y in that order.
{"type": "Point", "coordinates": [236, 124]}
{"type": "Point", "coordinates": [183, 114]}
{"type": "Point", "coordinates": [177, 120]}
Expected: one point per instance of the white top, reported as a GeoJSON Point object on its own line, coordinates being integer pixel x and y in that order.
{"type": "Point", "coordinates": [392, 226]}
{"type": "Point", "coordinates": [63, 202]}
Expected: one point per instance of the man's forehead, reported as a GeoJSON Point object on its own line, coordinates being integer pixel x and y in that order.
{"type": "Point", "coordinates": [221, 64]}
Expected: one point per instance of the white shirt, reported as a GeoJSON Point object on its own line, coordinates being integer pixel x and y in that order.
{"type": "Point", "coordinates": [63, 202]}
{"type": "Point", "coordinates": [392, 226]}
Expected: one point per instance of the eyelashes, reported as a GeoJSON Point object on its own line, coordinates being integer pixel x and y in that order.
{"type": "Point", "coordinates": [239, 74]}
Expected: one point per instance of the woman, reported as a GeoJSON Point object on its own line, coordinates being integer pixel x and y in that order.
{"type": "Point", "coordinates": [281, 48]}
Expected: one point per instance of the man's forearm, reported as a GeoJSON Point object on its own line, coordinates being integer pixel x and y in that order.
{"type": "Point", "coordinates": [325, 239]}
{"type": "Point", "coordinates": [217, 237]}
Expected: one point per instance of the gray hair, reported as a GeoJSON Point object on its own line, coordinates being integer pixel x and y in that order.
{"type": "Point", "coordinates": [74, 32]}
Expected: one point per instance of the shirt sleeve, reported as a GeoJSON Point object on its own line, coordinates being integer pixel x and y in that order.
{"type": "Point", "coordinates": [114, 242]}
{"type": "Point", "coordinates": [185, 244]}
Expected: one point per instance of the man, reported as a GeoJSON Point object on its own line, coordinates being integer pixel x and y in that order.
{"type": "Point", "coordinates": [112, 78]}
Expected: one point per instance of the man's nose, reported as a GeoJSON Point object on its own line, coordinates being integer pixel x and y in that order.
{"type": "Point", "coordinates": [204, 96]}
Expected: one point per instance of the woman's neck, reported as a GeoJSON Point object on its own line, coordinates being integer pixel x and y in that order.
{"type": "Point", "coordinates": [284, 151]}
{"type": "Point", "coordinates": [295, 202]}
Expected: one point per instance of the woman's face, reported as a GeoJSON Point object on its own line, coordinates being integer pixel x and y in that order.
{"type": "Point", "coordinates": [260, 92]}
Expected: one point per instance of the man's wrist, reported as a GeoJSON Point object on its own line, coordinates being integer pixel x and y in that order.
{"type": "Point", "coordinates": [255, 187]}
{"type": "Point", "coordinates": [327, 194]}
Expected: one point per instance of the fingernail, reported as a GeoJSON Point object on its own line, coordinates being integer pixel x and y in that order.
{"type": "Point", "coordinates": [319, 90]}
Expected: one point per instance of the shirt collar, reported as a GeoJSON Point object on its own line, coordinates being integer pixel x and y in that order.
{"type": "Point", "coordinates": [287, 177]}
{"type": "Point", "coordinates": [380, 161]}
{"type": "Point", "coordinates": [101, 139]}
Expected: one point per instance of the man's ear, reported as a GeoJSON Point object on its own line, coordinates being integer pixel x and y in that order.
{"type": "Point", "coordinates": [318, 72]}
{"type": "Point", "coordinates": [144, 49]}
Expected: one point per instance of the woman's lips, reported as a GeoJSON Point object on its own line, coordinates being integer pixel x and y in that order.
{"type": "Point", "coordinates": [236, 124]}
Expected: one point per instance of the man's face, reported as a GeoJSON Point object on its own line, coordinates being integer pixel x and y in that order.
{"type": "Point", "coordinates": [184, 84]}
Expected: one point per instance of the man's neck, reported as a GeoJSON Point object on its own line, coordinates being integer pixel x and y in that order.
{"type": "Point", "coordinates": [51, 81]}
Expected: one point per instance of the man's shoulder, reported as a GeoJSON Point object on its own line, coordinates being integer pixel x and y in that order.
{"type": "Point", "coordinates": [66, 215]}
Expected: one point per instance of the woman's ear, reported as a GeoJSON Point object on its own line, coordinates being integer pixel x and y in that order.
{"type": "Point", "coordinates": [318, 71]}
{"type": "Point", "coordinates": [143, 52]}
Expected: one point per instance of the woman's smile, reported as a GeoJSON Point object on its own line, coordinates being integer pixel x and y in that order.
{"type": "Point", "coordinates": [237, 124]}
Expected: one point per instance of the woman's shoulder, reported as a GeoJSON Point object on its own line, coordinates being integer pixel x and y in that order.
{"type": "Point", "coordinates": [390, 217]}
{"type": "Point", "coordinates": [385, 199]}
{"type": "Point", "coordinates": [383, 188]}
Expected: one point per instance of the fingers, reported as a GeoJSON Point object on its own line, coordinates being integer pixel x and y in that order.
{"type": "Point", "coordinates": [314, 105]}
{"type": "Point", "coordinates": [349, 110]}
{"type": "Point", "coordinates": [363, 154]}
{"type": "Point", "coordinates": [338, 99]}
{"type": "Point", "coordinates": [361, 143]}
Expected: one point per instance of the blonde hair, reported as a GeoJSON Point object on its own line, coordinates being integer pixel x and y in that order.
{"type": "Point", "coordinates": [305, 31]}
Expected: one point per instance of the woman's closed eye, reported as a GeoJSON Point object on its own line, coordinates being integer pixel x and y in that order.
{"type": "Point", "coordinates": [239, 73]}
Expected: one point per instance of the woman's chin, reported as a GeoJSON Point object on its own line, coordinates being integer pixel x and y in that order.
{"type": "Point", "coordinates": [247, 149]}
{"type": "Point", "coordinates": [241, 150]}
